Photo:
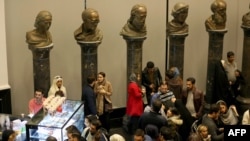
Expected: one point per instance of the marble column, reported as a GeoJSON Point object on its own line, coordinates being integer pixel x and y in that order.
{"type": "Point", "coordinates": [244, 98]}
{"type": "Point", "coordinates": [134, 55]}
{"type": "Point", "coordinates": [88, 59]}
{"type": "Point", "coordinates": [215, 52]}
{"type": "Point", "coordinates": [41, 67]}
{"type": "Point", "coordinates": [176, 51]}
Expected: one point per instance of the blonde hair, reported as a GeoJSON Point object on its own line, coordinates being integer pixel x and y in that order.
{"type": "Point", "coordinates": [116, 137]}
{"type": "Point", "coordinates": [201, 127]}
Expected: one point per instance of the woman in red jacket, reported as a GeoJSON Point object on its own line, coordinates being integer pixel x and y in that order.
{"type": "Point", "coordinates": [134, 102]}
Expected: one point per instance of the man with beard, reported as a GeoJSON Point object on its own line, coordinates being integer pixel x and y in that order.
{"type": "Point", "coordinates": [95, 131]}
{"type": "Point", "coordinates": [36, 103]}
{"type": "Point", "coordinates": [135, 27]}
{"type": "Point", "coordinates": [88, 31]}
{"type": "Point", "coordinates": [151, 80]}
{"type": "Point", "coordinates": [217, 21]}
{"type": "Point", "coordinates": [164, 94]}
{"type": "Point", "coordinates": [193, 99]}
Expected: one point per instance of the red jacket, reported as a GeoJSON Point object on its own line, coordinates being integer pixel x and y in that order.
{"type": "Point", "coordinates": [134, 101]}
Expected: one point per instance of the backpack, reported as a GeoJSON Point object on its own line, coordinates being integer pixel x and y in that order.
{"type": "Point", "coordinates": [195, 125]}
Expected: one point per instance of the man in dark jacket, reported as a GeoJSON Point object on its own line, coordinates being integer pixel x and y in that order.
{"type": "Point", "coordinates": [193, 98]}
{"type": "Point", "coordinates": [153, 117]}
{"type": "Point", "coordinates": [151, 79]}
{"type": "Point", "coordinates": [89, 97]}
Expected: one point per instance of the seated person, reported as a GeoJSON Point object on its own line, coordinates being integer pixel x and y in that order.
{"type": "Point", "coordinates": [59, 93]}
{"type": "Point", "coordinates": [57, 86]}
{"type": "Point", "coordinates": [36, 103]}
{"type": "Point", "coordinates": [9, 135]}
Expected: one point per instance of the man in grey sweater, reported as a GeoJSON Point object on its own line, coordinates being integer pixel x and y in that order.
{"type": "Point", "coordinates": [209, 119]}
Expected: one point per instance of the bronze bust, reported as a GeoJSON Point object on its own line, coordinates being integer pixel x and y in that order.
{"type": "Point", "coordinates": [88, 31]}
{"type": "Point", "coordinates": [246, 19]}
{"type": "Point", "coordinates": [40, 36]}
{"type": "Point", "coordinates": [135, 26]}
{"type": "Point", "coordinates": [217, 21]}
{"type": "Point", "coordinates": [178, 24]}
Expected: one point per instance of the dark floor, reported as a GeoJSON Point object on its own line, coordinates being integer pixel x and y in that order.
{"type": "Point", "coordinates": [116, 124]}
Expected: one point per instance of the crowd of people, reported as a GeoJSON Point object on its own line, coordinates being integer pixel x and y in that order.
{"type": "Point", "coordinates": [172, 111]}
{"type": "Point", "coordinates": [169, 111]}
{"type": "Point", "coordinates": [179, 110]}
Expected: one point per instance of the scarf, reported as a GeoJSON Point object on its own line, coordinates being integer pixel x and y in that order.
{"type": "Point", "coordinates": [229, 117]}
{"type": "Point", "coordinates": [100, 98]}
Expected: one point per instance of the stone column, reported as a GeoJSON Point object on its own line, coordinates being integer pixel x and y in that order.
{"type": "Point", "coordinates": [215, 52]}
{"type": "Point", "coordinates": [88, 59]}
{"type": "Point", "coordinates": [134, 55]}
{"type": "Point", "coordinates": [176, 51]}
{"type": "Point", "coordinates": [244, 98]}
{"type": "Point", "coordinates": [41, 67]}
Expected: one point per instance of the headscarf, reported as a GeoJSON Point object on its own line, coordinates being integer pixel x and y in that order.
{"type": "Point", "coordinates": [228, 118]}
{"type": "Point", "coordinates": [132, 77]}
{"type": "Point", "coordinates": [54, 88]}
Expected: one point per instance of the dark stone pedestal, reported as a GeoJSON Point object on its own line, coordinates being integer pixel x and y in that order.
{"type": "Point", "coordinates": [244, 98]}
{"type": "Point", "coordinates": [41, 67]}
{"type": "Point", "coordinates": [89, 59]}
{"type": "Point", "coordinates": [134, 55]}
{"type": "Point", "coordinates": [176, 51]}
{"type": "Point", "coordinates": [215, 51]}
{"type": "Point", "coordinates": [5, 101]}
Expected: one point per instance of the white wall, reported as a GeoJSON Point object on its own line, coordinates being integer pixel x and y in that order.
{"type": "Point", "coordinates": [65, 56]}
{"type": "Point", "coordinates": [4, 84]}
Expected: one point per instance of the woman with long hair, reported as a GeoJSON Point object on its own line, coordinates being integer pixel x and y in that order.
{"type": "Point", "coordinates": [103, 90]}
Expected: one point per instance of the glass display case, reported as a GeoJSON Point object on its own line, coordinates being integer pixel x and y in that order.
{"type": "Point", "coordinates": [43, 124]}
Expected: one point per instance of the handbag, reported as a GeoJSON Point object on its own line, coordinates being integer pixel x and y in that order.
{"type": "Point", "coordinates": [108, 107]}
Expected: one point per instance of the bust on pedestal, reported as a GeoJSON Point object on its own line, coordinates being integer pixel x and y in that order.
{"type": "Point", "coordinates": [40, 43]}
{"type": "Point", "coordinates": [244, 97]}
{"type": "Point", "coordinates": [177, 31]}
{"type": "Point", "coordinates": [215, 26]}
{"type": "Point", "coordinates": [89, 37]}
{"type": "Point", "coordinates": [134, 32]}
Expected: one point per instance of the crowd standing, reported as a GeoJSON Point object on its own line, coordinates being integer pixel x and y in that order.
{"type": "Point", "coordinates": [172, 111]}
